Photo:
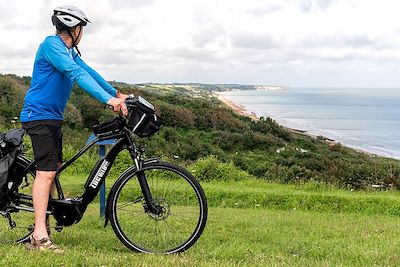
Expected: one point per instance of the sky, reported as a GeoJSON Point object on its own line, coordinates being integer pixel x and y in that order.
{"type": "Point", "coordinates": [310, 43]}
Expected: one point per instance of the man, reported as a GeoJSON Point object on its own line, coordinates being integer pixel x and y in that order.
{"type": "Point", "coordinates": [56, 67]}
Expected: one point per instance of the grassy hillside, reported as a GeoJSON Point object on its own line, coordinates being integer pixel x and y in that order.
{"type": "Point", "coordinates": [201, 131]}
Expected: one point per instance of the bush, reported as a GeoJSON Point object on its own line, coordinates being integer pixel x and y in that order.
{"type": "Point", "coordinates": [72, 117]}
{"type": "Point", "coordinates": [176, 116]}
{"type": "Point", "coordinates": [268, 125]}
{"type": "Point", "coordinates": [11, 98]}
{"type": "Point", "coordinates": [229, 141]}
{"type": "Point", "coordinates": [209, 168]}
{"type": "Point", "coordinates": [92, 111]}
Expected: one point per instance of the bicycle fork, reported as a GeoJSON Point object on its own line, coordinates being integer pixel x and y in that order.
{"type": "Point", "coordinates": [150, 205]}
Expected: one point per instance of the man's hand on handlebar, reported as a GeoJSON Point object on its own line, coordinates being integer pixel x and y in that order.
{"type": "Point", "coordinates": [118, 104]}
{"type": "Point", "coordinates": [121, 95]}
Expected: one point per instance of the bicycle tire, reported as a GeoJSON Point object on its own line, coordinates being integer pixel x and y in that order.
{"type": "Point", "coordinates": [173, 188]}
{"type": "Point", "coordinates": [23, 220]}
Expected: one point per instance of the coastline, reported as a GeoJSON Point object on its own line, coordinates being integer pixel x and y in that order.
{"type": "Point", "coordinates": [270, 87]}
{"type": "Point", "coordinates": [241, 110]}
{"type": "Point", "coordinates": [236, 107]}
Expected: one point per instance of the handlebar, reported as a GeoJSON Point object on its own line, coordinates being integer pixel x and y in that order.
{"type": "Point", "coordinates": [133, 101]}
{"type": "Point", "coordinates": [131, 96]}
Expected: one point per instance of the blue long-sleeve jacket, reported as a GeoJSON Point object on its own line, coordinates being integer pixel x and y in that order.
{"type": "Point", "coordinates": [55, 69]}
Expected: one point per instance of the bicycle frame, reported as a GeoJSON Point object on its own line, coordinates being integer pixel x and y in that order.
{"type": "Point", "coordinates": [70, 211]}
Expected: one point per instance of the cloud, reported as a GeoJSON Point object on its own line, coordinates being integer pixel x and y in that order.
{"type": "Point", "coordinates": [15, 52]}
{"type": "Point", "coordinates": [193, 54]}
{"type": "Point", "coordinates": [207, 35]}
{"type": "Point", "coordinates": [265, 10]}
{"type": "Point", "coordinates": [122, 4]}
{"type": "Point", "coordinates": [336, 40]}
{"type": "Point", "coordinates": [7, 12]}
{"type": "Point", "coordinates": [312, 5]}
{"type": "Point", "coordinates": [253, 41]}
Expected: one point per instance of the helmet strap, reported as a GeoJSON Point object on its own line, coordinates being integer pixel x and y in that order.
{"type": "Point", "coordinates": [77, 50]}
{"type": "Point", "coordinates": [74, 45]}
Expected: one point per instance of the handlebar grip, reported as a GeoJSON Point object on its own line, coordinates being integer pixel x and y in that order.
{"type": "Point", "coordinates": [112, 108]}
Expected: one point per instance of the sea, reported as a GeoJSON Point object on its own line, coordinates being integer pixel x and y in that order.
{"type": "Point", "coordinates": [363, 118]}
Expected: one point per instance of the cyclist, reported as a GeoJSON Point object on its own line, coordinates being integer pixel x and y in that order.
{"type": "Point", "coordinates": [57, 65]}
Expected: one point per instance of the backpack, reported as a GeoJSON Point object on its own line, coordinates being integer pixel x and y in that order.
{"type": "Point", "coordinates": [10, 146]}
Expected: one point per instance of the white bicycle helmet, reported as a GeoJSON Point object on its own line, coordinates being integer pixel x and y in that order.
{"type": "Point", "coordinates": [65, 17]}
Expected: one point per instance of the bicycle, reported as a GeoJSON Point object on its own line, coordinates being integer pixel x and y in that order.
{"type": "Point", "coordinates": [153, 206]}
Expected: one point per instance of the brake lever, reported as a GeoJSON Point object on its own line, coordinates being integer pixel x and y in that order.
{"type": "Point", "coordinates": [119, 112]}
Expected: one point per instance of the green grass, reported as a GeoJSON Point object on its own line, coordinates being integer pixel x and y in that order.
{"type": "Point", "coordinates": [254, 193]}
{"type": "Point", "coordinates": [235, 237]}
{"type": "Point", "coordinates": [364, 232]}
{"type": "Point", "coordinates": [308, 197]}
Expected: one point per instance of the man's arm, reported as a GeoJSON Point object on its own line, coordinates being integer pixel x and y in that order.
{"type": "Point", "coordinates": [55, 52]}
{"type": "Point", "coordinates": [96, 76]}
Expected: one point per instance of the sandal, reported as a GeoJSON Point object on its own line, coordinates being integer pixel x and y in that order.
{"type": "Point", "coordinates": [44, 244]}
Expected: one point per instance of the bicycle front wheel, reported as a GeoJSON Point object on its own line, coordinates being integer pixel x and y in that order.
{"type": "Point", "coordinates": [183, 216]}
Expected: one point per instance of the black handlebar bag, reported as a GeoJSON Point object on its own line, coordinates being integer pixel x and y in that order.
{"type": "Point", "coordinates": [10, 145]}
{"type": "Point", "coordinates": [142, 119]}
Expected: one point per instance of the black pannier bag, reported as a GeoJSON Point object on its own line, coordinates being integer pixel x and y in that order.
{"type": "Point", "coordinates": [10, 146]}
{"type": "Point", "coordinates": [142, 119]}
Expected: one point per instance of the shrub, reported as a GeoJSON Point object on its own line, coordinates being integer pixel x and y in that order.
{"type": "Point", "coordinates": [73, 117]}
{"type": "Point", "coordinates": [176, 116]}
{"type": "Point", "coordinates": [11, 98]}
{"type": "Point", "coordinates": [268, 125]}
{"type": "Point", "coordinates": [209, 168]}
{"type": "Point", "coordinates": [229, 141]}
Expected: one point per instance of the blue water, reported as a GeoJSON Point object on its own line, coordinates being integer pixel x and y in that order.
{"type": "Point", "coordinates": [367, 119]}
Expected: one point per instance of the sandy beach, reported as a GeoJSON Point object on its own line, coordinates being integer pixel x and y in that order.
{"type": "Point", "coordinates": [236, 107]}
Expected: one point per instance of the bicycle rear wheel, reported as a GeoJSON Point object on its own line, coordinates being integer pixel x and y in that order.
{"type": "Point", "coordinates": [176, 228]}
{"type": "Point", "coordinates": [16, 225]}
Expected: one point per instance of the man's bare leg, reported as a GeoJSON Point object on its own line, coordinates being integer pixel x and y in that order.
{"type": "Point", "coordinates": [53, 185]}
{"type": "Point", "coordinates": [52, 191]}
{"type": "Point", "coordinates": [40, 196]}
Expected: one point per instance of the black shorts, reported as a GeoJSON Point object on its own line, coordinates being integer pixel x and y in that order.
{"type": "Point", "coordinates": [46, 139]}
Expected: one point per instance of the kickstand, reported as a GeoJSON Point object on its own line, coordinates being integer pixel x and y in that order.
{"type": "Point", "coordinates": [8, 216]}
